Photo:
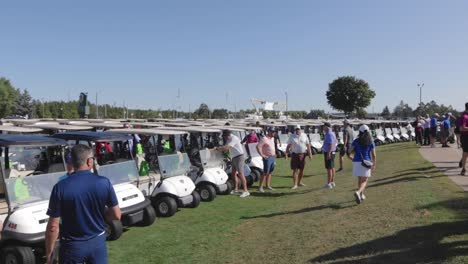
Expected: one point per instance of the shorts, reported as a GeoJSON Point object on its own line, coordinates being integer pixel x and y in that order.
{"type": "Point", "coordinates": [298, 161]}
{"type": "Point", "coordinates": [433, 132]}
{"type": "Point", "coordinates": [238, 163]}
{"type": "Point", "coordinates": [464, 142]}
{"type": "Point", "coordinates": [329, 163]}
{"type": "Point", "coordinates": [359, 170]}
{"type": "Point", "coordinates": [444, 133]}
{"type": "Point", "coordinates": [344, 150]}
{"type": "Point", "coordinates": [89, 251]}
{"type": "Point", "coordinates": [269, 165]}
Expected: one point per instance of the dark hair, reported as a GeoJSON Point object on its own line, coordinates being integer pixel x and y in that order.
{"type": "Point", "coordinates": [364, 138]}
{"type": "Point", "coordinates": [466, 106]}
{"type": "Point", "coordinates": [80, 155]}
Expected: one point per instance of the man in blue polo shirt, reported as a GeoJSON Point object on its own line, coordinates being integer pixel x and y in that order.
{"type": "Point", "coordinates": [434, 124]}
{"type": "Point", "coordinates": [80, 202]}
{"type": "Point", "coordinates": [329, 151]}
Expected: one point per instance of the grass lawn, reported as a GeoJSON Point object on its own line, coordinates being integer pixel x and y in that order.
{"type": "Point", "coordinates": [413, 214]}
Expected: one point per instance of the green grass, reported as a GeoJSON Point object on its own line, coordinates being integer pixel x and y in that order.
{"type": "Point", "coordinates": [413, 214]}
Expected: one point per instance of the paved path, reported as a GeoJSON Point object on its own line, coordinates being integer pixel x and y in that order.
{"type": "Point", "coordinates": [446, 160]}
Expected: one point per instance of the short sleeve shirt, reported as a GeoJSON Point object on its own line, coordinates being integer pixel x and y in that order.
{"type": "Point", "coordinates": [330, 138]}
{"type": "Point", "coordinates": [349, 134]}
{"type": "Point", "coordinates": [267, 146]}
{"type": "Point", "coordinates": [463, 121]}
{"type": "Point", "coordinates": [236, 147]}
{"type": "Point", "coordinates": [298, 143]}
{"type": "Point", "coordinates": [433, 122]}
{"type": "Point", "coordinates": [80, 201]}
{"type": "Point", "coordinates": [251, 138]}
{"type": "Point", "coordinates": [362, 151]}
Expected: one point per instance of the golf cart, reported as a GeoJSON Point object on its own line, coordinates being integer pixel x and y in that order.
{"type": "Point", "coordinates": [114, 160]}
{"type": "Point", "coordinates": [166, 182]}
{"type": "Point", "coordinates": [10, 129]}
{"type": "Point", "coordinates": [31, 165]}
{"type": "Point", "coordinates": [51, 128]}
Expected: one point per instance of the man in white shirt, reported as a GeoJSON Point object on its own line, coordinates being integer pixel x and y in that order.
{"type": "Point", "coordinates": [236, 151]}
{"type": "Point", "coordinates": [299, 145]}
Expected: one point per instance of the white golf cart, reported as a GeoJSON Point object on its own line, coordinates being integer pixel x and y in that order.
{"type": "Point", "coordinates": [166, 183]}
{"type": "Point", "coordinates": [114, 160]}
{"type": "Point", "coordinates": [30, 167]}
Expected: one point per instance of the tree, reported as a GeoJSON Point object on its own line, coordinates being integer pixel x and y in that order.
{"type": "Point", "coordinates": [349, 94]}
{"type": "Point", "coordinates": [203, 111]}
{"type": "Point", "coordinates": [403, 110]}
{"type": "Point", "coordinates": [23, 104]}
{"type": "Point", "coordinates": [220, 113]}
{"type": "Point", "coordinates": [315, 114]}
{"type": "Point", "coordinates": [386, 112]}
{"type": "Point", "coordinates": [8, 95]}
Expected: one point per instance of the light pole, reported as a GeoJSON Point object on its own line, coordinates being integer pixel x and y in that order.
{"type": "Point", "coordinates": [420, 85]}
{"type": "Point", "coordinates": [286, 93]}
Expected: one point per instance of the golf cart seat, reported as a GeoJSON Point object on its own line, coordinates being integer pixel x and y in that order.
{"type": "Point", "coordinates": [56, 167]}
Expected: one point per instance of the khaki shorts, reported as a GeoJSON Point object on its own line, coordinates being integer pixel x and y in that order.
{"type": "Point", "coordinates": [238, 163]}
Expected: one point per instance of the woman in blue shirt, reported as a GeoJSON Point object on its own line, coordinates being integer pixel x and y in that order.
{"type": "Point", "coordinates": [363, 148]}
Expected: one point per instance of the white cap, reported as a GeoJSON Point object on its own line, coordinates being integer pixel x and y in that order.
{"type": "Point", "coordinates": [363, 128]}
{"type": "Point", "coordinates": [298, 127]}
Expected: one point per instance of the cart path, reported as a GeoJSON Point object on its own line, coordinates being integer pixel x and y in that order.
{"type": "Point", "coordinates": [446, 160]}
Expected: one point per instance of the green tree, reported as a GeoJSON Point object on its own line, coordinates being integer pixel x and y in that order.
{"type": "Point", "coordinates": [203, 111]}
{"type": "Point", "coordinates": [403, 110]}
{"type": "Point", "coordinates": [23, 103]}
{"type": "Point", "coordinates": [349, 94]}
{"type": "Point", "coordinates": [386, 112]}
{"type": "Point", "coordinates": [220, 113]}
{"type": "Point", "coordinates": [8, 95]}
{"type": "Point", "coordinates": [316, 113]}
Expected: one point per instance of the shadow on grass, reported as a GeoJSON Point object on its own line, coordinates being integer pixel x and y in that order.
{"type": "Point", "coordinates": [300, 211]}
{"type": "Point", "coordinates": [412, 245]}
{"type": "Point", "coordinates": [281, 194]}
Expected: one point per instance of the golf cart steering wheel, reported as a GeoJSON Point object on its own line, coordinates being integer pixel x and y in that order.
{"type": "Point", "coordinates": [37, 172]}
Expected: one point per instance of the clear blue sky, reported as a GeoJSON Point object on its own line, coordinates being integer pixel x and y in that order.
{"type": "Point", "coordinates": [141, 52]}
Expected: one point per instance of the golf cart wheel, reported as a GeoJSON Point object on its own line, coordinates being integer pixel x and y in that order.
{"type": "Point", "coordinates": [149, 216]}
{"type": "Point", "coordinates": [230, 186]}
{"type": "Point", "coordinates": [207, 192]}
{"type": "Point", "coordinates": [256, 174]}
{"type": "Point", "coordinates": [114, 230]}
{"type": "Point", "coordinates": [165, 206]}
{"type": "Point", "coordinates": [280, 154]}
{"type": "Point", "coordinates": [249, 179]}
{"type": "Point", "coordinates": [20, 255]}
{"type": "Point", "coordinates": [314, 151]}
{"type": "Point", "coordinates": [196, 200]}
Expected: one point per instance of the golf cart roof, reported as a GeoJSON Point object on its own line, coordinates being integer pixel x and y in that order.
{"type": "Point", "coordinates": [230, 128]}
{"type": "Point", "coordinates": [92, 136]}
{"type": "Point", "coordinates": [193, 129]}
{"type": "Point", "coordinates": [29, 140]}
{"type": "Point", "coordinates": [17, 129]}
{"type": "Point", "coordinates": [103, 125]}
{"type": "Point", "coordinates": [147, 131]}
{"type": "Point", "coordinates": [145, 124]}
{"type": "Point", "coordinates": [56, 126]}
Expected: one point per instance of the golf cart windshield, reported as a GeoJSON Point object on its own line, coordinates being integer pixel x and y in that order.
{"type": "Point", "coordinates": [211, 158]}
{"type": "Point", "coordinates": [120, 172]}
{"type": "Point", "coordinates": [174, 165]}
{"type": "Point", "coordinates": [31, 173]}
{"type": "Point", "coordinates": [113, 152]}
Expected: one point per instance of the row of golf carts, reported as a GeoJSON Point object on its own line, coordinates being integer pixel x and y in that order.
{"type": "Point", "coordinates": [155, 169]}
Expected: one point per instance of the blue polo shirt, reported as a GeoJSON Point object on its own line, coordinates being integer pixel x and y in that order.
{"type": "Point", "coordinates": [433, 122]}
{"type": "Point", "coordinates": [362, 151]}
{"type": "Point", "coordinates": [80, 201]}
{"type": "Point", "coordinates": [330, 138]}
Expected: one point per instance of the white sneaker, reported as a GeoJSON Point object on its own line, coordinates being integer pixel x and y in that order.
{"type": "Point", "coordinates": [328, 186]}
{"type": "Point", "coordinates": [333, 184]}
{"type": "Point", "coordinates": [270, 188]}
{"type": "Point", "coordinates": [363, 197]}
{"type": "Point", "coordinates": [294, 187]}
{"type": "Point", "coordinates": [260, 189]}
{"type": "Point", "coordinates": [234, 192]}
{"type": "Point", "coordinates": [358, 198]}
{"type": "Point", "coordinates": [301, 184]}
{"type": "Point", "coordinates": [244, 194]}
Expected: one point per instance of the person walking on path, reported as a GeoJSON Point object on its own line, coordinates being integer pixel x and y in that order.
{"type": "Point", "coordinates": [266, 149]}
{"type": "Point", "coordinates": [299, 145]}
{"type": "Point", "coordinates": [348, 136]}
{"type": "Point", "coordinates": [427, 130]}
{"type": "Point", "coordinates": [83, 202]}
{"type": "Point", "coordinates": [463, 125]}
{"type": "Point", "coordinates": [419, 130]}
{"type": "Point", "coordinates": [363, 148]}
{"type": "Point", "coordinates": [434, 129]}
{"type": "Point", "coordinates": [236, 151]}
{"type": "Point", "coordinates": [445, 130]}
{"type": "Point", "coordinates": [329, 150]}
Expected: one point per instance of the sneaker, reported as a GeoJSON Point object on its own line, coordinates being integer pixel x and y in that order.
{"type": "Point", "coordinates": [328, 186]}
{"type": "Point", "coordinates": [270, 188]}
{"type": "Point", "coordinates": [460, 164]}
{"type": "Point", "coordinates": [260, 189]}
{"type": "Point", "coordinates": [358, 197]}
{"type": "Point", "coordinates": [333, 184]}
{"type": "Point", "coordinates": [234, 192]}
{"type": "Point", "coordinates": [244, 194]}
{"type": "Point", "coordinates": [462, 173]}
{"type": "Point", "coordinates": [340, 169]}
{"type": "Point", "coordinates": [363, 197]}
{"type": "Point", "coordinates": [294, 187]}
{"type": "Point", "coordinates": [301, 184]}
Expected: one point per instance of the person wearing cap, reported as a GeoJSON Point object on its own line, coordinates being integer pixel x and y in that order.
{"type": "Point", "coordinates": [299, 145]}
{"type": "Point", "coordinates": [434, 129]}
{"type": "Point", "coordinates": [266, 149]}
{"type": "Point", "coordinates": [348, 136]}
{"type": "Point", "coordinates": [445, 130]}
{"type": "Point", "coordinates": [329, 150]}
{"type": "Point", "coordinates": [362, 148]}
{"type": "Point", "coordinates": [236, 152]}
